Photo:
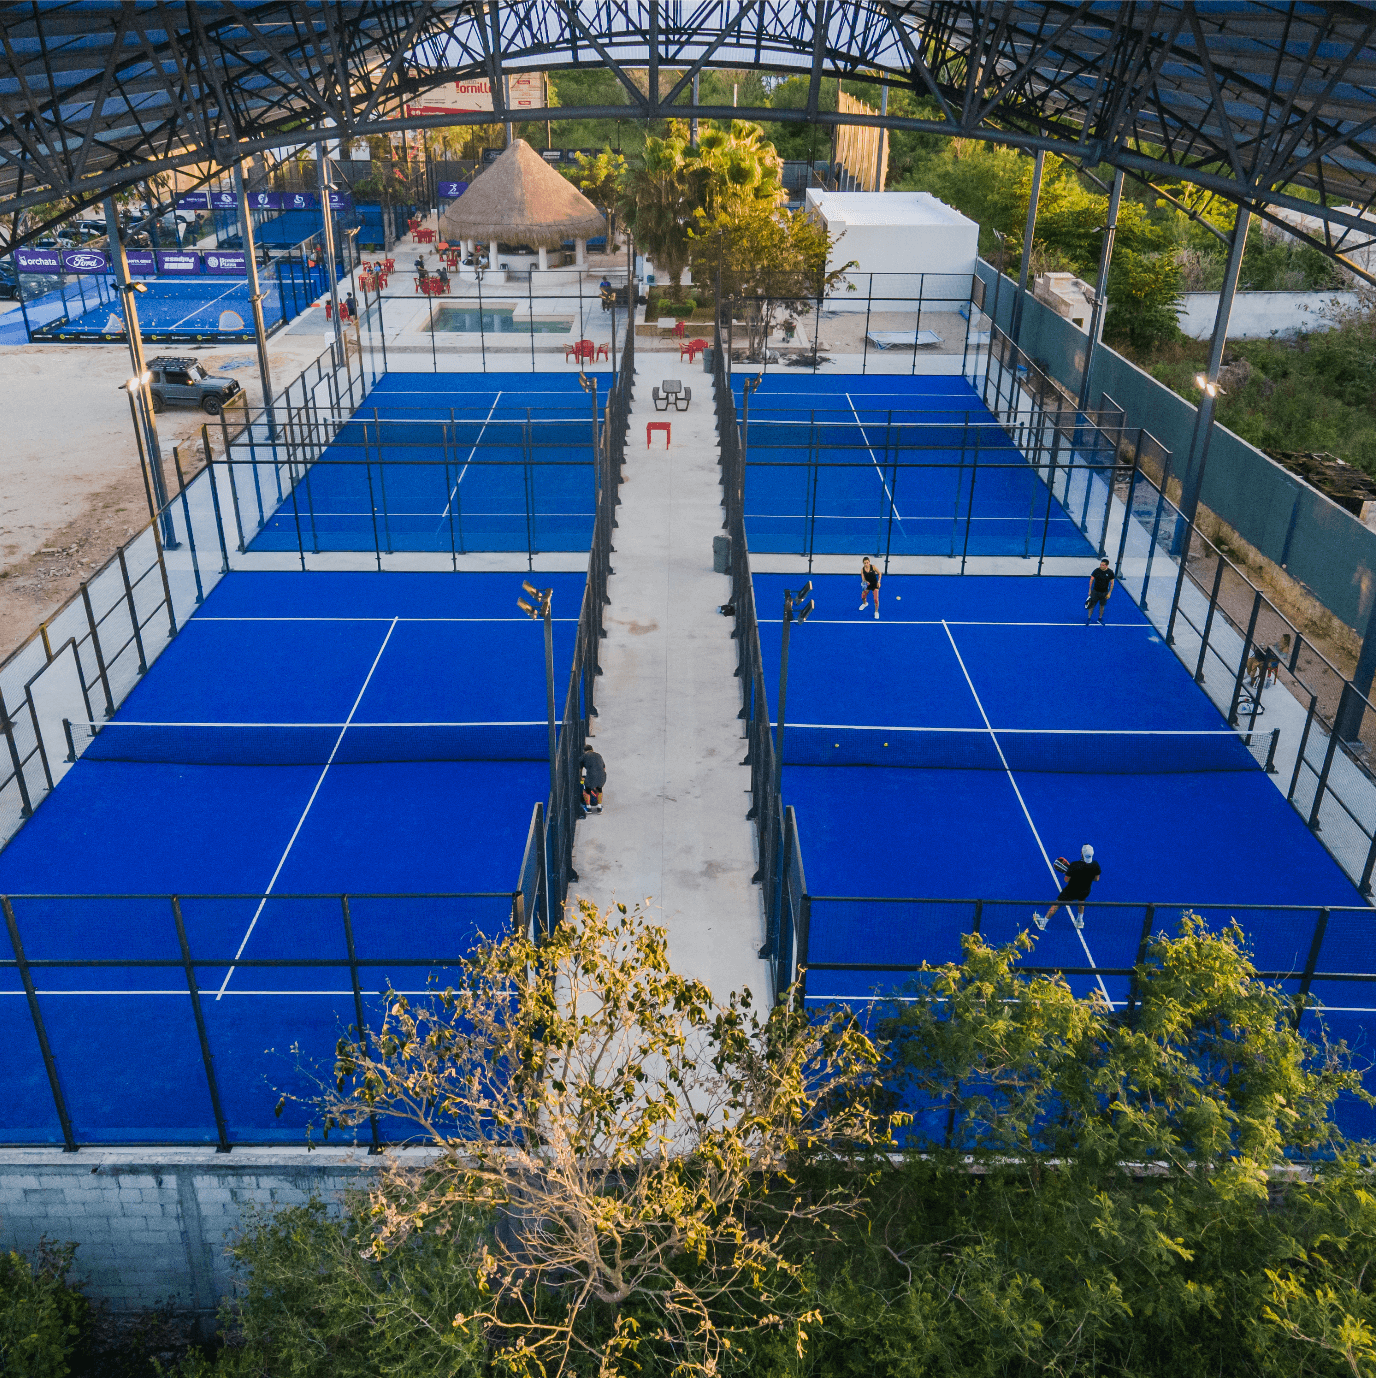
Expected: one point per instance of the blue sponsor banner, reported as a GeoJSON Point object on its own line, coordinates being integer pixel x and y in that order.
{"type": "Point", "coordinates": [194, 201]}
{"type": "Point", "coordinates": [339, 201]}
{"type": "Point", "coordinates": [38, 260]}
{"type": "Point", "coordinates": [142, 263]}
{"type": "Point", "coordinates": [300, 201]}
{"type": "Point", "coordinates": [178, 261]}
{"type": "Point", "coordinates": [224, 200]}
{"type": "Point", "coordinates": [230, 261]}
{"type": "Point", "coordinates": [265, 200]}
{"type": "Point", "coordinates": [84, 261]}
{"type": "Point", "coordinates": [451, 191]}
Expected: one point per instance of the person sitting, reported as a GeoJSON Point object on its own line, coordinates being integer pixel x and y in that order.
{"type": "Point", "coordinates": [444, 278]}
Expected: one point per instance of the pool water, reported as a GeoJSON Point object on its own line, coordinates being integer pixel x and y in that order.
{"type": "Point", "coordinates": [463, 320]}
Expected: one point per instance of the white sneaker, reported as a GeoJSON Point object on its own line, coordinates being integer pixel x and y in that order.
{"type": "Point", "coordinates": [1078, 920]}
{"type": "Point", "coordinates": [876, 614]}
{"type": "Point", "coordinates": [862, 607]}
{"type": "Point", "coordinates": [1039, 920]}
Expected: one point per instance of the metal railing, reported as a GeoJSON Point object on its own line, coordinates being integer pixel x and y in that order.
{"type": "Point", "coordinates": [364, 952]}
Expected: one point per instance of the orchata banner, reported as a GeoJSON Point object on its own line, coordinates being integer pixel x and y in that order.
{"type": "Point", "coordinates": [38, 260]}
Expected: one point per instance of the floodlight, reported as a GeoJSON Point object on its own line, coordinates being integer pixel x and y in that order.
{"type": "Point", "coordinates": [530, 588]}
{"type": "Point", "coordinates": [525, 607]}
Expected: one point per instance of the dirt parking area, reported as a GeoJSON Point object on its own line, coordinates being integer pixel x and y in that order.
{"type": "Point", "coordinates": [70, 487]}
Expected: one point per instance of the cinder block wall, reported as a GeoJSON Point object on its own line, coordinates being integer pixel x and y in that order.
{"type": "Point", "coordinates": [152, 1224]}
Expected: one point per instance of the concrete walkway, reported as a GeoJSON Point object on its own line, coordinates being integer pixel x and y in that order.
{"type": "Point", "coordinates": [673, 829]}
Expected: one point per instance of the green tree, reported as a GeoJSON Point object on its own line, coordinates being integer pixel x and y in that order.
{"type": "Point", "coordinates": [624, 1130]}
{"type": "Point", "coordinates": [768, 261]}
{"type": "Point", "coordinates": [1090, 1191]}
{"type": "Point", "coordinates": [42, 1317]}
{"type": "Point", "coordinates": [312, 1302]}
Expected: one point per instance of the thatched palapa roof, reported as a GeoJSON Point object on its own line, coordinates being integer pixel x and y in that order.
{"type": "Point", "coordinates": [520, 199]}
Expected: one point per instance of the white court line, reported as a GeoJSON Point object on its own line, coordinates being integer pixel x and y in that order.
{"type": "Point", "coordinates": [444, 511]}
{"type": "Point", "coordinates": [309, 802]}
{"type": "Point", "coordinates": [234, 287]}
{"type": "Point", "coordinates": [522, 620]}
{"type": "Point", "coordinates": [884, 483]}
{"type": "Point", "coordinates": [952, 621]}
{"type": "Point", "coordinates": [1022, 802]}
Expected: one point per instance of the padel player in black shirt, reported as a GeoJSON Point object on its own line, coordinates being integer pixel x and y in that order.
{"type": "Point", "coordinates": [1079, 876]}
{"type": "Point", "coordinates": [869, 584]}
{"type": "Point", "coordinates": [594, 779]}
{"type": "Point", "coordinates": [1100, 587]}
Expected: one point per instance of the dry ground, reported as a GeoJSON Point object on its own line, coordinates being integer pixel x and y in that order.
{"type": "Point", "coordinates": [70, 487]}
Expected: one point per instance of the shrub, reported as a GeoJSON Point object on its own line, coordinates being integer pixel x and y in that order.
{"type": "Point", "coordinates": [42, 1317]}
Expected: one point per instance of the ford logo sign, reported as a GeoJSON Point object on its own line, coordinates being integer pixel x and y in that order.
{"type": "Point", "coordinates": [92, 262]}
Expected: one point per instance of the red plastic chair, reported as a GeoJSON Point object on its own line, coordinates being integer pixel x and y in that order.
{"type": "Point", "coordinates": [602, 353]}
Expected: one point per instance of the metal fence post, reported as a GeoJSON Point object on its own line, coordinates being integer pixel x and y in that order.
{"type": "Point", "coordinates": [36, 1014]}
{"type": "Point", "coordinates": [1311, 962]}
{"type": "Point", "coordinates": [1208, 623]}
{"type": "Point", "coordinates": [376, 1146]}
{"type": "Point", "coordinates": [206, 1057]}
{"type": "Point", "coordinates": [95, 639]}
{"type": "Point", "coordinates": [1242, 662]}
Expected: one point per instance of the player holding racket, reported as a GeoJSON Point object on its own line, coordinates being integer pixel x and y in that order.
{"type": "Point", "coordinates": [1079, 876]}
{"type": "Point", "coordinates": [869, 584]}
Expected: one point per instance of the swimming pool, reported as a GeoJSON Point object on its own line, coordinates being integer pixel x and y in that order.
{"type": "Point", "coordinates": [499, 320]}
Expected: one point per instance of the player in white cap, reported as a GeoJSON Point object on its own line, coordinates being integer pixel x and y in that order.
{"type": "Point", "coordinates": [1079, 876]}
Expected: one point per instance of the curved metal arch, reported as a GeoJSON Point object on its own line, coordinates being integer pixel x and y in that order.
{"type": "Point", "coordinates": [1263, 103]}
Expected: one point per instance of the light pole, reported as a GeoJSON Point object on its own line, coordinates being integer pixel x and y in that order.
{"type": "Point", "coordinates": [155, 485]}
{"type": "Point", "coordinates": [541, 611]}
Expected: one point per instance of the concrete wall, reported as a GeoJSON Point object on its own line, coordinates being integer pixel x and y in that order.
{"type": "Point", "coordinates": [1317, 542]}
{"type": "Point", "coordinates": [152, 1224]}
{"type": "Point", "coordinates": [1257, 315]}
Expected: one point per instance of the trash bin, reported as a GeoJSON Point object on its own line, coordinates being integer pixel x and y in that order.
{"type": "Point", "coordinates": [707, 359]}
{"type": "Point", "coordinates": [721, 554]}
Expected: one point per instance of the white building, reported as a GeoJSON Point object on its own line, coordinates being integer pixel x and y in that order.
{"type": "Point", "coordinates": [905, 245]}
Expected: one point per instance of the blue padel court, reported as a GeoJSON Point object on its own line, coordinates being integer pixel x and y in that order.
{"type": "Point", "coordinates": [302, 735]}
{"type": "Point", "coordinates": [955, 747]}
{"type": "Point", "coordinates": [190, 306]}
{"type": "Point", "coordinates": [883, 465]}
{"type": "Point", "coordinates": [450, 462]}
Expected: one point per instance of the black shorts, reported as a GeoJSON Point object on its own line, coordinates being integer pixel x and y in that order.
{"type": "Point", "coordinates": [1072, 895]}
{"type": "Point", "coordinates": [1096, 598]}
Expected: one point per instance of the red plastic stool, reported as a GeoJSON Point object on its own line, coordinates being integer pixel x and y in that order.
{"type": "Point", "coordinates": [658, 426]}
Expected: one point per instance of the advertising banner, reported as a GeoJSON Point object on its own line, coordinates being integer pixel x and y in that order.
{"type": "Point", "coordinates": [194, 201]}
{"type": "Point", "coordinates": [526, 92]}
{"type": "Point", "coordinates": [38, 260]}
{"type": "Point", "coordinates": [142, 263]}
{"type": "Point", "coordinates": [265, 200]}
{"type": "Point", "coordinates": [339, 201]}
{"type": "Point", "coordinates": [224, 200]}
{"type": "Point", "coordinates": [230, 261]}
{"type": "Point", "coordinates": [84, 261]}
{"type": "Point", "coordinates": [300, 201]}
{"type": "Point", "coordinates": [178, 261]}
{"type": "Point", "coordinates": [450, 191]}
